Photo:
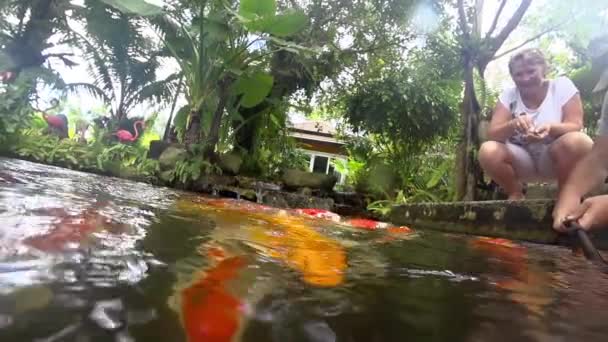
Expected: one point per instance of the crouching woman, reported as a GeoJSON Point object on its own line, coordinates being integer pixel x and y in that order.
{"type": "Point", "coordinates": [535, 132]}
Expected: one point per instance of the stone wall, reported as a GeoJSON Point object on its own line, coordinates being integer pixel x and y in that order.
{"type": "Point", "coordinates": [525, 220]}
{"type": "Point", "coordinates": [528, 220]}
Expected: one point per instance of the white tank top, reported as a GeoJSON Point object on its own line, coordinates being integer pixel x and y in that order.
{"type": "Point", "coordinates": [550, 111]}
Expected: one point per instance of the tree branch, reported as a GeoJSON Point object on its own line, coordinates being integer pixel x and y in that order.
{"type": "Point", "coordinates": [531, 39]}
{"type": "Point", "coordinates": [495, 21]}
{"type": "Point", "coordinates": [497, 42]}
{"type": "Point", "coordinates": [462, 16]}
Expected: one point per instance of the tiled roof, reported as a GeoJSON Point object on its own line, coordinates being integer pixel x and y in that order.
{"type": "Point", "coordinates": [319, 127]}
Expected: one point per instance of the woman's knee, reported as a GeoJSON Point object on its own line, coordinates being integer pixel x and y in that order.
{"type": "Point", "coordinates": [492, 152]}
{"type": "Point", "coordinates": [571, 145]}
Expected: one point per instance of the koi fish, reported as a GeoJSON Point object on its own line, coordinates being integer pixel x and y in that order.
{"type": "Point", "coordinates": [400, 230]}
{"type": "Point", "coordinates": [210, 313]}
{"type": "Point", "coordinates": [69, 229]}
{"type": "Point", "coordinates": [496, 242]}
{"type": "Point", "coordinates": [524, 283]}
{"type": "Point", "coordinates": [366, 223]}
{"type": "Point", "coordinates": [508, 251]}
{"type": "Point", "coordinates": [319, 213]}
{"type": "Point", "coordinates": [232, 204]}
{"type": "Point", "coordinates": [320, 259]}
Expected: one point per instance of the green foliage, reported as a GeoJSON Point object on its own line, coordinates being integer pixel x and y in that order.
{"type": "Point", "coordinates": [260, 16]}
{"type": "Point", "coordinates": [253, 9]}
{"type": "Point", "coordinates": [15, 109]}
{"type": "Point", "coordinates": [122, 60]}
{"type": "Point", "coordinates": [117, 155]}
{"type": "Point", "coordinates": [254, 87]}
{"type": "Point", "coordinates": [397, 109]}
{"type": "Point", "coordinates": [223, 65]}
{"type": "Point", "coordinates": [191, 169]}
{"type": "Point", "coordinates": [404, 108]}
{"type": "Point", "coordinates": [351, 168]}
{"type": "Point", "coordinates": [49, 149]}
{"type": "Point", "coordinates": [273, 149]}
{"type": "Point", "coordinates": [138, 7]}
{"type": "Point", "coordinates": [94, 157]}
{"type": "Point", "coordinates": [430, 180]}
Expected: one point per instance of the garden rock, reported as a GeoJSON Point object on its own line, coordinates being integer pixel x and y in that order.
{"type": "Point", "coordinates": [295, 179]}
{"type": "Point", "coordinates": [231, 163]}
{"type": "Point", "coordinates": [171, 156]}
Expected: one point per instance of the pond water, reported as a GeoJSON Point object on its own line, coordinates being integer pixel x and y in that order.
{"type": "Point", "coordinates": [90, 258]}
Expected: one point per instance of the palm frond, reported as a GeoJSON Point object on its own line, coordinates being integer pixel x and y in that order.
{"type": "Point", "coordinates": [157, 91]}
{"type": "Point", "coordinates": [91, 89]}
{"type": "Point", "coordinates": [99, 69]}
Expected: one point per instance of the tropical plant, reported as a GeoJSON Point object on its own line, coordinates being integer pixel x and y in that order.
{"type": "Point", "coordinates": [272, 149]}
{"type": "Point", "coordinates": [351, 168]}
{"type": "Point", "coordinates": [15, 109]}
{"type": "Point", "coordinates": [26, 27]}
{"type": "Point", "coordinates": [222, 48]}
{"type": "Point", "coordinates": [49, 149]}
{"type": "Point", "coordinates": [122, 61]}
{"type": "Point", "coordinates": [427, 178]}
{"type": "Point", "coordinates": [190, 170]}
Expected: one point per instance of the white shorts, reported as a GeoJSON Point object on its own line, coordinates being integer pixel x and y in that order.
{"type": "Point", "coordinates": [532, 165]}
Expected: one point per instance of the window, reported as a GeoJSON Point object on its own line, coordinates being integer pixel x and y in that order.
{"type": "Point", "coordinates": [324, 164]}
{"type": "Point", "coordinates": [320, 164]}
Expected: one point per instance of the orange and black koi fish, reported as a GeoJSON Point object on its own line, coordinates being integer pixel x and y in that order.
{"type": "Point", "coordinates": [210, 313]}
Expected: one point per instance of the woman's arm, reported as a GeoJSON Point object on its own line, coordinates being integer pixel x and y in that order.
{"type": "Point", "coordinates": [590, 172]}
{"type": "Point", "coordinates": [572, 118]}
{"type": "Point", "coordinates": [503, 125]}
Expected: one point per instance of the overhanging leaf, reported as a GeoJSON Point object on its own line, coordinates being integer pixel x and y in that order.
{"type": "Point", "coordinates": [216, 27]}
{"type": "Point", "coordinates": [260, 8]}
{"type": "Point", "coordinates": [139, 7]}
{"type": "Point", "coordinates": [254, 88]}
{"type": "Point", "coordinates": [288, 24]}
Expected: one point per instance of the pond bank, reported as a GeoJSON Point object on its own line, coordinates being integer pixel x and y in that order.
{"type": "Point", "coordinates": [239, 187]}
{"type": "Point", "coordinates": [528, 220]}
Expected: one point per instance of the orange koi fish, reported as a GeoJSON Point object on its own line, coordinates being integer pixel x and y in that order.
{"type": "Point", "coordinates": [69, 229]}
{"type": "Point", "coordinates": [525, 285]}
{"type": "Point", "coordinates": [320, 259]}
{"type": "Point", "coordinates": [210, 313]}
{"type": "Point", "coordinates": [400, 230]}
{"type": "Point", "coordinates": [366, 223]}
{"type": "Point", "coordinates": [232, 204]}
{"type": "Point", "coordinates": [501, 247]}
{"type": "Point", "coordinates": [319, 213]}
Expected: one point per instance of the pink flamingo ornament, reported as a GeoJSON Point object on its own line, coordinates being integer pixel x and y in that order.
{"type": "Point", "coordinates": [126, 136]}
{"type": "Point", "coordinates": [55, 121]}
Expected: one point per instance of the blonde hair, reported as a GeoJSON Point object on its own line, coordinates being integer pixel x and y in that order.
{"type": "Point", "coordinates": [529, 56]}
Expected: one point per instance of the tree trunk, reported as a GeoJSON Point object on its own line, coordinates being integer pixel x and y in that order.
{"type": "Point", "coordinates": [173, 106]}
{"type": "Point", "coordinates": [247, 128]}
{"type": "Point", "coordinates": [216, 123]}
{"type": "Point", "coordinates": [466, 164]}
{"type": "Point", "coordinates": [193, 133]}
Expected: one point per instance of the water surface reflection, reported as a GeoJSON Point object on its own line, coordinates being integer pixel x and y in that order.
{"type": "Point", "coordinates": [89, 258]}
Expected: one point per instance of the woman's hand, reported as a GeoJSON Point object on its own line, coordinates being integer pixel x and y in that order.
{"type": "Point", "coordinates": [522, 123]}
{"type": "Point", "coordinates": [539, 134]}
{"type": "Point", "coordinates": [592, 213]}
